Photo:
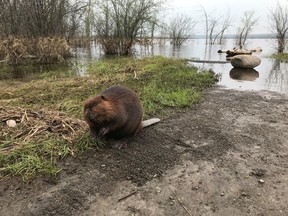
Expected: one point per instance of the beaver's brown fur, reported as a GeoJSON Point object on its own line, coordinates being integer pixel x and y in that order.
{"type": "Point", "coordinates": [114, 113]}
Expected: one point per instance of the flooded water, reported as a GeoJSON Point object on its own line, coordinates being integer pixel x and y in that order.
{"type": "Point", "coordinates": [271, 74]}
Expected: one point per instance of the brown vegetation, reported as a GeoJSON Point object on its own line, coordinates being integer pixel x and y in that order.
{"type": "Point", "coordinates": [17, 51]}
{"type": "Point", "coordinates": [36, 125]}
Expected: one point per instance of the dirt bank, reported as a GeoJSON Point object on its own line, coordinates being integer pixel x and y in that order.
{"type": "Point", "coordinates": [225, 156]}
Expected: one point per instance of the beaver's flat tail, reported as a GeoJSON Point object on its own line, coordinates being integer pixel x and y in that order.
{"type": "Point", "coordinates": [149, 122]}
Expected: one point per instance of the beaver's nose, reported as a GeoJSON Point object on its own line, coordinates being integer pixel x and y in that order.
{"type": "Point", "coordinates": [87, 112]}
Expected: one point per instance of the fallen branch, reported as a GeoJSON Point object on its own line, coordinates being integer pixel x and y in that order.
{"type": "Point", "coordinates": [180, 202]}
{"type": "Point", "coordinates": [5, 60]}
{"type": "Point", "coordinates": [125, 197]}
{"type": "Point", "coordinates": [20, 134]}
{"type": "Point", "coordinates": [208, 61]}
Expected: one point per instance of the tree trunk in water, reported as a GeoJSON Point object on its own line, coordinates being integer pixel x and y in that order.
{"type": "Point", "coordinates": [281, 44]}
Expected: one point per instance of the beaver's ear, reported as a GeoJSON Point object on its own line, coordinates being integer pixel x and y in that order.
{"type": "Point", "coordinates": [87, 102]}
{"type": "Point", "coordinates": [103, 97]}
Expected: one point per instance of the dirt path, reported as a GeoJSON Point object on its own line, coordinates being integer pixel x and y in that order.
{"type": "Point", "coordinates": [225, 156]}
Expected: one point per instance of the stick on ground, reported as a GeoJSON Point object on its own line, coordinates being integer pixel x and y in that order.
{"type": "Point", "coordinates": [184, 207]}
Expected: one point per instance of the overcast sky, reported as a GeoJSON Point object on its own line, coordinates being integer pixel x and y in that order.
{"type": "Point", "coordinates": [220, 8]}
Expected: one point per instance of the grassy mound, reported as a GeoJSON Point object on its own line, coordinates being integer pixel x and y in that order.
{"type": "Point", "coordinates": [280, 56]}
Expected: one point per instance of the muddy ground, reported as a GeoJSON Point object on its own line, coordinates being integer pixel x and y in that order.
{"type": "Point", "coordinates": [225, 156]}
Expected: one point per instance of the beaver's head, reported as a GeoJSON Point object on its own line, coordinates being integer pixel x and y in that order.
{"type": "Point", "coordinates": [97, 110]}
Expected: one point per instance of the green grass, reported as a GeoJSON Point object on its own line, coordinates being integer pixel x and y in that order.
{"type": "Point", "coordinates": [161, 83]}
{"type": "Point", "coordinates": [39, 158]}
{"type": "Point", "coordinates": [281, 56]}
{"type": "Point", "coordinates": [29, 165]}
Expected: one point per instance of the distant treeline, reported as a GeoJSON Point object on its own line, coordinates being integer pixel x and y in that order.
{"type": "Point", "coordinates": [234, 36]}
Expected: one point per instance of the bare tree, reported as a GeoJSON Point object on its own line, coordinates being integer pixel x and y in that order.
{"type": "Point", "coordinates": [38, 20]}
{"type": "Point", "coordinates": [118, 22]}
{"type": "Point", "coordinates": [88, 19]}
{"type": "Point", "coordinates": [206, 16]}
{"type": "Point", "coordinates": [278, 20]}
{"type": "Point", "coordinates": [147, 30]}
{"type": "Point", "coordinates": [10, 21]}
{"type": "Point", "coordinates": [75, 21]}
{"type": "Point", "coordinates": [246, 26]}
{"type": "Point", "coordinates": [37, 17]}
{"type": "Point", "coordinates": [225, 25]}
{"type": "Point", "coordinates": [213, 22]}
{"type": "Point", "coordinates": [215, 27]}
{"type": "Point", "coordinates": [180, 29]}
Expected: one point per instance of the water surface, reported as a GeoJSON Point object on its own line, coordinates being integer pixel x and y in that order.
{"type": "Point", "coordinates": [271, 74]}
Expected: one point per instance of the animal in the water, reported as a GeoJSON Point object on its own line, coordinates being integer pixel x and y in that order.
{"type": "Point", "coordinates": [115, 113]}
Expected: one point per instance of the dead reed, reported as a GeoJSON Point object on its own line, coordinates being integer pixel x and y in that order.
{"type": "Point", "coordinates": [43, 50]}
{"type": "Point", "coordinates": [37, 126]}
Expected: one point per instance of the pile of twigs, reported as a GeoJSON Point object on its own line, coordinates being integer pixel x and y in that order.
{"type": "Point", "coordinates": [37, 126]}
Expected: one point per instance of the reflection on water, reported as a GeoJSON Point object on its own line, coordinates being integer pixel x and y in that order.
{"type": "Point", "coordinates": [271, 74]}
{"type": "Point", "coordinates": [277, 79]}
{"type": "Point", "coordinates": [27, 73]}
{"type": "Point", "coordinates": [244, 74]}
{"type": "Point", "coordinates": [15, 73]}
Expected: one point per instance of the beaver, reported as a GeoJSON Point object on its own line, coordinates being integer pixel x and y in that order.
{"type": "Point", "coordinates": [115, 113]}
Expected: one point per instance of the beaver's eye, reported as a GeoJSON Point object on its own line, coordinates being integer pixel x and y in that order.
{"type": "Point", "coordinates": [95, 106]}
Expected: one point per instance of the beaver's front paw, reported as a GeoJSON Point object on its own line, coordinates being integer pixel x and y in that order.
{"type": "Point", "coordinates": [103, 131]}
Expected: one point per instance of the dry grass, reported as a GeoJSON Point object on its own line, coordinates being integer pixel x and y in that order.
{"type": "Point", "coordinates": [50, 50]}
{"type": "Point", "coordinates": [18, 51]}
{"type": "Point", "coordinates": [14, 50]}
{"type": "Point", "coordinates": [37, 126]}
{"type": "Point", "coordinates": [38, 140]}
